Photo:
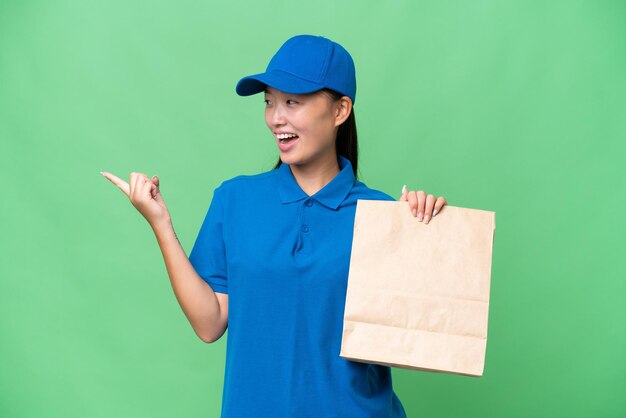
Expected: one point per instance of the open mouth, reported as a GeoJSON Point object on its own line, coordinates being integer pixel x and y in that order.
{"type": "Point", "coordinates": [286, 138]}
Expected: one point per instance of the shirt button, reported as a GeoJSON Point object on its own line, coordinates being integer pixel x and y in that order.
{"type": "Point", "coordinates": [305, 228]}
{"type": "Point", "coordinates": [309, 203]}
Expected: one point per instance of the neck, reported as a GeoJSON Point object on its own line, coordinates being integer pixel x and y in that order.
{"type": "Point", "coordinates": [314, 176]}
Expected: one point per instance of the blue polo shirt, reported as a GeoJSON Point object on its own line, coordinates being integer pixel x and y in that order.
{"type": "Point", "coordinates": [283, 258]}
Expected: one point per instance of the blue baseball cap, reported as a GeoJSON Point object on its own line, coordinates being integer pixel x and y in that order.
{"type": "Point", "coordinates": [304, 64]}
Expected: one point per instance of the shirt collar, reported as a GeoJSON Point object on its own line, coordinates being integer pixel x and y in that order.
{"type": "Point", "coordinates": [330, 195]}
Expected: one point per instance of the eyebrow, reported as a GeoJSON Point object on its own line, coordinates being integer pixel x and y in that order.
{"type": "Point", "coordinates": [266, 91]}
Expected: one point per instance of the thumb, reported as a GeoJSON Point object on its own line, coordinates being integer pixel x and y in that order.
{"type": "Point", "coordinates": [403, 197]}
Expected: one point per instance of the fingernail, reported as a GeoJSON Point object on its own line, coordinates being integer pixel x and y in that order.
{"type": "Point", "coordinates": [403, 188]}
{"type": "Point", "coordinates": [420, 216]}
{"type": "Point", "coordinates": [414, 212]}
{"type": "Point", "coordinates": [426, 219]}
{"type": "Point", "coordinates": [102, 172]}
{"type": "Point", "coordinates": [434, 212]}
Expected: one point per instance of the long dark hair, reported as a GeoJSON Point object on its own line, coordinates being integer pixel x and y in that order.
{"type": "Point", "coordinates": [346, 143]}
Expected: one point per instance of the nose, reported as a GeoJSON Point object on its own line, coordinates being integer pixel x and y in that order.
{"type": "Point", "coordinates": [277, 116]}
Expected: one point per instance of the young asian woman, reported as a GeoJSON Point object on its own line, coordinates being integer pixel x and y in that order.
{"type": "Point", "coordinates": [270, 262]}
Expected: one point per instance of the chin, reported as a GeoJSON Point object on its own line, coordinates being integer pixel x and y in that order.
{"type": "Point", "coordinates": [287, 159]}
{"type": "Point", "coordinates": [290, 159]}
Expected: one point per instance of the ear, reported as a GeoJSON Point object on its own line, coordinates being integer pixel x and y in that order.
{"type": "Point", "coordinates": [342, 110]}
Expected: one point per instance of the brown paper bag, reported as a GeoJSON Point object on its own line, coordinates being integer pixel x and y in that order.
{"type": "Point", "coordinates": [418, 294]}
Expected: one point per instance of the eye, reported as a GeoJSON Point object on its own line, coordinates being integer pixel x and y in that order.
{"type": "Point", "coordinates": [289, 100]}
{"type": "Point", "coordinates": [266, 101]}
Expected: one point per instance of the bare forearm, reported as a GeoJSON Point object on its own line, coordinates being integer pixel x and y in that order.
{"type": "Point", "coordinates": [196, 298]}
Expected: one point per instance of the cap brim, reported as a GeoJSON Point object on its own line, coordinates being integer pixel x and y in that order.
{"type": "Point", "coordinates": [285, 82]}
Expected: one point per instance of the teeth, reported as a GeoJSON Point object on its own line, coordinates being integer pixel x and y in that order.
{"type": "Point", "coordinates": [285, 136]}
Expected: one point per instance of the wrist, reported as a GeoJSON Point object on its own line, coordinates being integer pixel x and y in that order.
{"type": "Point", "coordinates": [162, 226]}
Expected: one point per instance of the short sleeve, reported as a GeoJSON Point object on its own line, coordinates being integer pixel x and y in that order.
{"type": "Point", "coordinates": [385, 196]}
{"type": "Point", "coordinates": [375, 194]}
{"type": "Point", "coordinates": [208, 255]}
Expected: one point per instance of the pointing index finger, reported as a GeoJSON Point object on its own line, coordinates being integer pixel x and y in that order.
{"type": "Point", "coordinates": [117, 181]}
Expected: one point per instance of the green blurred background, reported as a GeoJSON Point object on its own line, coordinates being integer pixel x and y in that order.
{"type": "Point", "coordinates": [512, 106]}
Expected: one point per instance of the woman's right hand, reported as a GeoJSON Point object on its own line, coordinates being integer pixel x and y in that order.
{"type": "Point", "coordinates": [144, 194]}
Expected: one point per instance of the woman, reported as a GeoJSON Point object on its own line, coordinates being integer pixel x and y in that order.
{"type": "Point", "coordinates": [271, 259]}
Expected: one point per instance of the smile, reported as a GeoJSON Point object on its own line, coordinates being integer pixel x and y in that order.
{"type": "Point", "coordinates": [286, 142]}
{"type": "Point", "coordinates": [284, 137]}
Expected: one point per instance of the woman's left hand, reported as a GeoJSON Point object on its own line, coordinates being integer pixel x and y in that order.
{"type": "Point", "coordinates": [422, 205]}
